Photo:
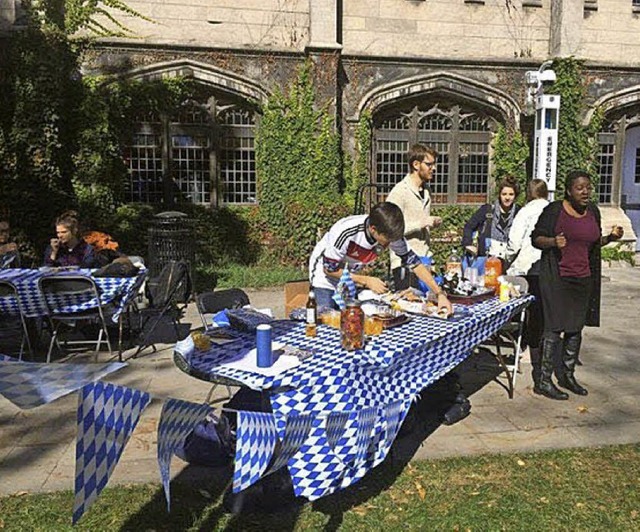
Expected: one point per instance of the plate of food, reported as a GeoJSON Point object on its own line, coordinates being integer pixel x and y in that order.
{"type": "Point", "coordinates": [391, 318]}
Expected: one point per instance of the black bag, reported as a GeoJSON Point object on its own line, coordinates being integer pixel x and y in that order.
{"type": "Point", "coordinates": [121, 268]}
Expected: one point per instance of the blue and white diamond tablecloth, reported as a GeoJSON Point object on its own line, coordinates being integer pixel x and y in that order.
{"type": "Point", "coordinates": [352, 403]}
{"type": "Point", "coordinates": [118, 291]}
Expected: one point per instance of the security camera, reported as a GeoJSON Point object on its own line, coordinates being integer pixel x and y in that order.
{"type": "Point", "coordinates": [547, 75]}
{"type": "Point", "coordinates": [536, 78]}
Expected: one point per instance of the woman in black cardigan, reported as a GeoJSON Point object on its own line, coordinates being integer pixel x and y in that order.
{"type": "Point", "coordinates": [568, 233]}
{"type": "Point", "coordinates": [492, 222]}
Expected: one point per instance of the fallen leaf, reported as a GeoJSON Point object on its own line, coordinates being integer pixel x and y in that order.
{"type": "Point", "coordinates": [521, 463]}
{"type": "Point", "coordinates": [544, 500]}
{"type": "Point", "coordinates": [1, 523]}
{"type": "Point", "coordinates": [634, 514]}
{"type": "Point", "coordinates": [20, 493]}
{"type": "Point", "coordinates": [360, 511]}
{"type": "Point", "coordinates": [422, 493]}
{"type": "Point", "coordinates": [580, 505]}
{"type": "Point", "coordinates": [475, 493]}
{"type": "Point", "coordinates": [582, 409]}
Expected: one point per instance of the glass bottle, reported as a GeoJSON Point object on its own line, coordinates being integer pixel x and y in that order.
{"type": "Point", "coordinates": [312, 315]}
{"type": "Point", "coordinates": [454, 264]}
{"type": "Point", "coordinates": [352, 326]}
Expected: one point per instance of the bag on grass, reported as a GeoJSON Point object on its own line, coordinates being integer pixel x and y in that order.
{"type": "Point", "coordinates": [211, 443]}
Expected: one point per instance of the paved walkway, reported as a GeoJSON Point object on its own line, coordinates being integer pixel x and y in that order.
{"type": "Point", "coordinates": [37, 446]}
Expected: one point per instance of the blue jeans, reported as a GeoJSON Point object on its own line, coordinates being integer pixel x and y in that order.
{"type": "Point", "coordinates": [324, 298]}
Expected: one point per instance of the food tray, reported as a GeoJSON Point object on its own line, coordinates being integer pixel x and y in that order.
{"type": "Point", "coordinates": [470, 300]}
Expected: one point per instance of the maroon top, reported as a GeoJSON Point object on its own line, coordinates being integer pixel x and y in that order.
{"type": "Point", "coordinates": [581, 234]}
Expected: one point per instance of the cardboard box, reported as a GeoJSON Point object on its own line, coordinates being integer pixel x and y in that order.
{"type": "Point", "coordinates": [296, 294]}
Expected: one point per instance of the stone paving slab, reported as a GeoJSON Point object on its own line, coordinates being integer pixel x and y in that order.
{"type": "Point", "coordinates": [37, 447]}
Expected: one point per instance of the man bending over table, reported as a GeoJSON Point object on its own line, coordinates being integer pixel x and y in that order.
{"type": "Point", "coordinates": [356, 241]}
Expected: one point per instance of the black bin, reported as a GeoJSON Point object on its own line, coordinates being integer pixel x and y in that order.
{"type": "Point", "coordinates": [171, 237]}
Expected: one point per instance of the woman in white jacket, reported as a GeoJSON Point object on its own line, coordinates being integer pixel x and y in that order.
{"type": "Point", "coordinates": [525, 261]}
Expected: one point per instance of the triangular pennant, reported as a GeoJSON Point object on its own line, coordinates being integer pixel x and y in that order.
{"type": "Point", "coordinates": [335, 427]}
{"type": "Point", "coordinates": [394, 414]}
{"type": "Point", "coordinates": [256, 437]}
{"type": "Point", "coordinates": [107, 415]}
{"type": "Point", "coordinates": [31, 384]}
{"type": "Point", "coordinates": [177, 420]}
{"type": "Point", "coordinates": [296, 431]}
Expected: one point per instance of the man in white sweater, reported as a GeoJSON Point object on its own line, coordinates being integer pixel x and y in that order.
{"type": "Point", "coordinates": [412, 196]}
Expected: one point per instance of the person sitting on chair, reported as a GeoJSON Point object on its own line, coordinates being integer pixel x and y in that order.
{"type": "Point", "coordinates": [356, 241]}
{"type": "Point", "coordinates": [9, 254]}
{"type": "Point", "coordinates": [69, 249]}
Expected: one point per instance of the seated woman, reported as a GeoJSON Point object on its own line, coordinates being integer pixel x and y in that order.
{"type": "Point", "coordinates": [9, 254]}
{"type": "Point", "coordinates": [492, 222]}
{"type": "Point", "coordinates": [68, 249]}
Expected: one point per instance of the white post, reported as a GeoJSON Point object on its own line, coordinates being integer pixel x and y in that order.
{"type": "Point", "coordinates": [545, 151]}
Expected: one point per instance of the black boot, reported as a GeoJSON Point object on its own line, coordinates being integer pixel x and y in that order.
{"type": "Point", "coordinates": [545, 385]}
{"type": "Point", "coordinates": [569, 382]}
{"type": "Point", "coordinates": [570, 350]}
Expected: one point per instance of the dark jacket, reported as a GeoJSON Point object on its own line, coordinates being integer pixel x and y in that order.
{"type": "Point", "coordinates": [549, 263]}
{"type": "Point", "coordinates": [481, 222]}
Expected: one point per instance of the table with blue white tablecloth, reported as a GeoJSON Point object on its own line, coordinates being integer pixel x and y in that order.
{"type": "Point", "coordinates": [117, 291]}
{"type": "Point", "coordinates": [344, 409]}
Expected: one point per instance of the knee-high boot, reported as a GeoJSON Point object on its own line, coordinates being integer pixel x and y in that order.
{"type": "Point", "coordinates": [570, 351]}
{"type": "Point", "coordinates": [545, 386]}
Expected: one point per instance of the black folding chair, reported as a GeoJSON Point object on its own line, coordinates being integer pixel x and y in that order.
{"type": "Point", "coordinates": [210, 303]}
{"type": "Point", "coordinates": [60, 294]}
{"type": "Point", "coordinates": [10, 323]}
{"type": "Point", "coordinates": [508, 340]}
{"type": "Point", "coordinates": [164, 293]}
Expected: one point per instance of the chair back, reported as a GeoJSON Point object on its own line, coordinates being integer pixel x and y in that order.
{"type": "Point", "coordinates": [368, 195]}
{"type": "Point", "coordinates": [62, 293]}
{"type": "Point", "coordinates": [173, 284]}
{"type": "Point", "coordinates": [8, 289]}
{"type": "Point", "coordinates": [210, 303]}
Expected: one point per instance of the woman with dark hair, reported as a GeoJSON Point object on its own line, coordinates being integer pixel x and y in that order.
{"type": "Point", "coordinates": [69, 249]}
{"type": "Point", "coordinates": [569, 235]}
{"type": "Point", "coordinates": [492, 222]}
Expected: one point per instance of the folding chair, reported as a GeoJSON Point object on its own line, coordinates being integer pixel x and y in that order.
{"type": "Point", "coordinates": [8, 290]}
{"type": "Point", "coordinates": [61, 294]}
{"type": "Point", "coordinates": [172, 284]}
{"type": "Point", "coordinates": [508, 340]}
{"type": "Point", "coordinates": [210, 303]}
{"type": "Point", "coordinates": [368, 195]}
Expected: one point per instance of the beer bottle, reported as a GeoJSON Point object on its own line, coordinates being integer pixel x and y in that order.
{"type": "Point", "coordinates": [312, 314]}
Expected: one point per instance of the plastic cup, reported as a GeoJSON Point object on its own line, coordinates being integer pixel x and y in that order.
{"type": "Point", "coordinates": [263, 346]}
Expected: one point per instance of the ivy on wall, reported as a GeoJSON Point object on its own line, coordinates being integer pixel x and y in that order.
{"type": "Point", "coordinates": [298, 162]}
{"type": "Point", "coordinates": [356, 170]}
{"type": "Point", "coordinates": [509, 157]}
{"type": "Point", "coordinates": [577, 144]}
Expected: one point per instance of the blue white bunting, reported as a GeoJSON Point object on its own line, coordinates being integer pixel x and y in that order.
{"type": "Point", "coordinates": [31, 384]}
{"type": "Point", "coordinates": [177, 420]}
{"type": "Point", "coordinates": [107, 415]}
{"type": "Point", "coordinates": [256, 439]}
{"type": "Point", "coordinates": [345, 289]}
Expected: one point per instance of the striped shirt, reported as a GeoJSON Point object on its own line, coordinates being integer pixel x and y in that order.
{"type": "Point", "coordinates": [350, 243]}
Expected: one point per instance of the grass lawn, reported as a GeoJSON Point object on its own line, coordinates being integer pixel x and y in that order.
{"type": "Point", "coordinates": [579, 489]}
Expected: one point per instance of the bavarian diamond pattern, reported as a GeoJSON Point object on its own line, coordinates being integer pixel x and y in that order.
{"type": "Point", "coordinates": [345, 287]}
{"type": "Point", "coordinates": [107, 415]}
{"type": "Point", "coordinates": [336, 387]}
{"type": "Point", "coordinates": [177, 420]}
{"type": "Point", "coordinates": [31, 384]}
{"type": "Point", "coordinates": [118, 291]}
{"type": "Point", "coordinates": [255, 442]}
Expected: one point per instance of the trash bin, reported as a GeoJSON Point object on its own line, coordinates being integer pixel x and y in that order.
{"type": "Point", "coordinates": [171, 237]}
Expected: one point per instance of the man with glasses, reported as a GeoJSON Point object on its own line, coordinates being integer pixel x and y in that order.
{"type": "Point", "coordinates": [412, 196]}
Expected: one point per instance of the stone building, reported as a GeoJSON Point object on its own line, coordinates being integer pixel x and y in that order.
{"type": "Point", "coordinates": [443, 72]}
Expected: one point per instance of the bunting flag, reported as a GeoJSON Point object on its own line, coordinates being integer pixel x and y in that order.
{"type": "Point", "coordinates": [31, 384]}
{"type": "Point", "coordinates": [345, 289]}
{"type": "Point", "coordinates": [296, 430]}
{"type": "Point", "coordinates": [107, 415]}
{"type": "Point", "coordinates": [177, 420]}
{"type": "Point", "coordinates": [256, 438]}
{"type": "Point", "coordinates": [394, 414]}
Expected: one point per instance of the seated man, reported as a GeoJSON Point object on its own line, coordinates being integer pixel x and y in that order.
{"type": "Point", "coordinates": [9, 254]}
{"type": "Point", "coordinates": [356, 241]}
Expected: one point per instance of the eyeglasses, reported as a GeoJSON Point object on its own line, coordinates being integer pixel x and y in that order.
{"type": "Point", "coordinates": [429, 164]}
